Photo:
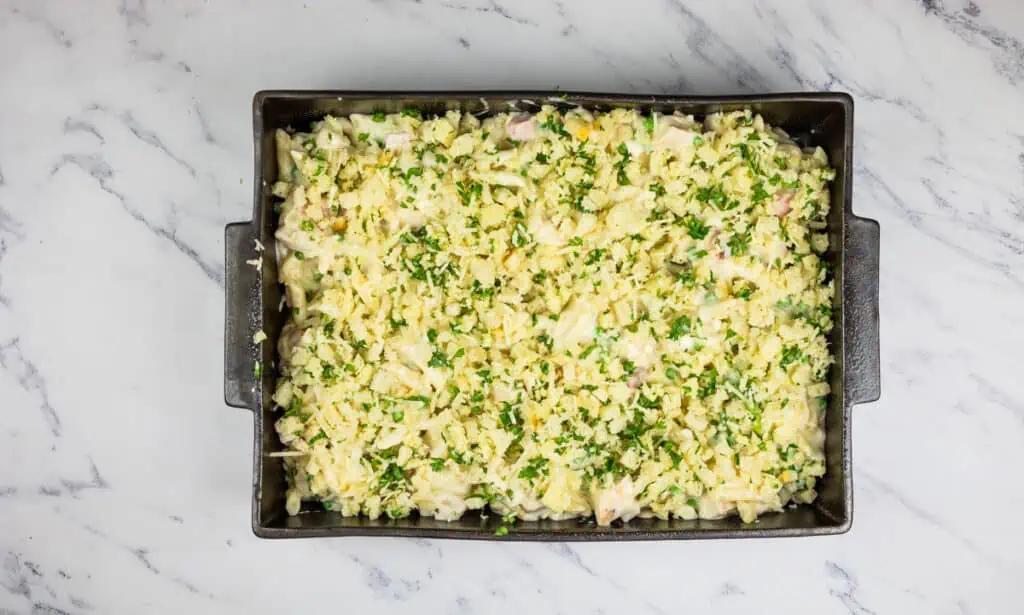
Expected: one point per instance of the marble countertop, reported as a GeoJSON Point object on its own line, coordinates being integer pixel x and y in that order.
{"type": "Point", "coordinates": [125, 148]}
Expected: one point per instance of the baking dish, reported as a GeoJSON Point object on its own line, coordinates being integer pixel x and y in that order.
{"type": "Point", "coordinates": [254, 298]}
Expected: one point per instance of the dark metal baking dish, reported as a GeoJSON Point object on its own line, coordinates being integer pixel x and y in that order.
{"type": "Point", "coordinates": [253, 300]}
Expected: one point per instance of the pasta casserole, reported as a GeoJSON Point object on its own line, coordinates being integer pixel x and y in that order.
{"type": "Point", "coordinates": [552, 315]}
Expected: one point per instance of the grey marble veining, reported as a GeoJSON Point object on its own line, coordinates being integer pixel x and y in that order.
{"type": "Point", "coordinates": [125, 148]}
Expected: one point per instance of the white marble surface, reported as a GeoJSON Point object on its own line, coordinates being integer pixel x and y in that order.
{"type": "Point", "coordinates": [125, 148]}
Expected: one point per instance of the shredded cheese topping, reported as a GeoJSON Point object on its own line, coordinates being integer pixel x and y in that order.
{"type": "Point", "coordinates": [552, 315]}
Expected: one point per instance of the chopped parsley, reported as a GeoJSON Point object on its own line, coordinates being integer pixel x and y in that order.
{"type": "Point", "coordinates": [707, 383]}
{"type": "Point", "coordinates": [556, 126]}
{"type": "Point", "coordinates": [714, 195]}
{"type": "Point", "coordinates": [790, 354]}
{"type": "Point", "coordinates": [680, 327]}
{"type": "Point", "coordinates": [622, 163]}
{"type": "Point", "coordinates": [520, 236]}
{"type": "Point", "coordinates": [759, 193]}
{"type": "Point", "coordinates": [439, 360]}
{"type": "Point", "coordinates": [393, 475]}
{"type": "Point", "coordinates": [577, 192]}
{"type": "Point", "coordinates": [645, 402]}
{"type": "Point", "coordinates": [534, 468]}
{"type": "Point", "coordinates": [468, 190]}
{"type": "Point", "coordinates": [739, 243]}
{"type": "Point", "coordinates": [695, 228]}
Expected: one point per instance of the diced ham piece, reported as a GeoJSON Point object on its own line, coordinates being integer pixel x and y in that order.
{"type": "Point", "coordinates": [715, 246]}
{"type": "Point", "coordinates": [397, 140]}
{"type": "Point", "coordinates": [712, 241]}
{"type": "Point", "coordinates": [782, 199]}
{"type": "Point", "coordinates": [521, 127]}
{"type": "Point", "coordinates": [617, 502]}
{"type": "Point", "coordinates": [637, 379]}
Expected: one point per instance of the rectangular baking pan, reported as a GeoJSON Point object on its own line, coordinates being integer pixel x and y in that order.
{"type": "Point", "coordinates": [253, 299]}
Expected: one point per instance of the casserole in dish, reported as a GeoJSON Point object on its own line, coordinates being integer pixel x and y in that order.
{"type": "Point", "coordinates": [821, 119]}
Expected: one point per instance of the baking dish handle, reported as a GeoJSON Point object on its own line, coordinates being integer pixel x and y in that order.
{"type": "Point", "coordinates": [241, 285]}
{"type": "Point", "coordinates": [863, 364]}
